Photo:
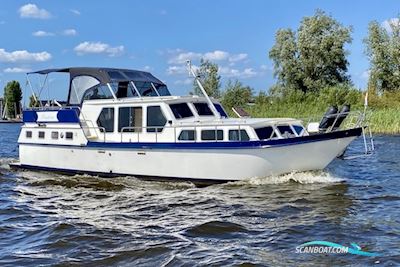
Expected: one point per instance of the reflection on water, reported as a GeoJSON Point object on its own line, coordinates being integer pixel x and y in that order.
{"type": "Point", "coordinates": [49, 219]}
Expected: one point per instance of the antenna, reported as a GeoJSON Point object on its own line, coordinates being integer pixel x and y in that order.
{"type": "Point", "coordinates": [196, 77]}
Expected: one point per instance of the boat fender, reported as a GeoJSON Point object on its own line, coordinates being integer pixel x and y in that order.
{"type": "Point", "coordinates": [328, 119]}
{"type": "Point", "coordinates": [344, 111]}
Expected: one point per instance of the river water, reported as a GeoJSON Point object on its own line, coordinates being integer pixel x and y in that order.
{"type": "Point", "coordinates": [49, 219]}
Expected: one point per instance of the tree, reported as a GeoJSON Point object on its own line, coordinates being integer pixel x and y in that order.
{"type": "Point", "coordinates": [383, 50]}
{"type": "Point", "coordinates": [33, 101]}
{"type": "Point", "coordinates": [312, 57]}
{"type": "Point", "coordinates": [208, 73]}
{"type": "Point", "coordinates": [236, 94]}
{"type": "Point", "coordinates": [13, 96]}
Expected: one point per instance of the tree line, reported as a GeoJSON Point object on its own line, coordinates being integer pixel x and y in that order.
{"type": "Point", "coordinates": [312, 61]}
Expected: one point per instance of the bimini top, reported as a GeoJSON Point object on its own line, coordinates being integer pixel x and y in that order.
{"type": "Point", "coordinates": [99, 83]}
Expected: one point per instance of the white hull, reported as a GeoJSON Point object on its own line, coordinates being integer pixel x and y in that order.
{"type": "Point", "coordinates": [200, 164]}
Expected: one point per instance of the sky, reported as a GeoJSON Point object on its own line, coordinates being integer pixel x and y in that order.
{"type": "Point", "coordinates": [159, 36]}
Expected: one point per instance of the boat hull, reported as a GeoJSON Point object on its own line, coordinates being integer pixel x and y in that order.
{"type": "Point", "coordinates": [206, 164]}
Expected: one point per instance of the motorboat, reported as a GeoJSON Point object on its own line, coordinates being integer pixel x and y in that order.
{"type": "Point", "coordinates": [121, 122]}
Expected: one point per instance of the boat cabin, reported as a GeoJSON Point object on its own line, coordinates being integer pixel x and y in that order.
{"type": "Point", "coordinates": [129, 106]}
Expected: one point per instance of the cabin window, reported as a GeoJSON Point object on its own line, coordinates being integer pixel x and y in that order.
{"type": "Point", "coordinates": [106, 120]}
{"type": "Point", "coordinates": [69, 135]}
{"type": "Point", "coordinates": [203, 109]}
{"type": "Point", "coordinates": [265, 133]}
{"type": "Point", "coordinates": [285, 130]}
{"type": "Point", "coordinates": [234, 135]}
{"type": "Point", "coordinates": [208, 135]}
{"type": "Point", "coordinates": [41, 135]}
{"type": "Point", "coordinates": [79, 87]}
{"type": "Point", "coordinates": [181, 110]}
{"type": "Point", "coordinates": [54, 135]}
{"type": "Point", "coordinates": [98, 92]}
{"type": "Point", "coordinates": [221, 110]}
{"type": "Point", "coordinates": [187, 135]}
{"type": "Point", "coordinates": [145, 89]}
{"type": "Point", "coordinates": [298, 129]}
{"type": "Point", "coordinates": [130, 119]}
{"type": "Point", "coordinates": [155, 119]}
{"type": "Point", "coordinates": [28, 134]}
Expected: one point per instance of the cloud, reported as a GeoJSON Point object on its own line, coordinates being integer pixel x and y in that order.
{"type": "Point", "coordinates": [387, 24]}
{"type": "Point", "coordinates": [98, 48]}
{"type": "Point", "coordinates": [178, 56]}
{"type": "Point", "coordinates": [147, 68]}
{"type": "Point", "coordinates": [16, 70]}
{"type": "Point", "coordinates": [216, 55]}
{"type": "Point", "coordinates": [23, 56]}
{"type": "Point", "coordinates": [32, 11]}
{"type": "Point", "coordinates": [75, 12]}
{"type": "Point", "coordinates": [235, 73]}
{"type": "Point", "coordinates": [42, 34]}
{"type": "Point", "coordinates": [182, 57]}
{"type": "Point", "coordinates": [70, 32]}
{"type": "Point", "coordinates": [163, 12]}
{"type": "Point", "coordinates": [180, 69]}
{"type": "Point", "coordinates": [365, 75]}
{"type": "Point", "coordinates": [238, 57]}
{"type": "Point", "coordinates": [2, 22]}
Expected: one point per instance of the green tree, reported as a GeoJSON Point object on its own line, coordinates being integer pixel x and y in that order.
{"type": "Point", "coordinates": [236, 94]}
{"type": "Point", "coordinates": [13, 96]}
{"type": "Point", "coordinates": [210, 79]}
{"type": "Point", "coordinates": [314, 56]}
{"type": "Point", "coordinates": [33, 101]}
{"type": "Point", "coordinates": [383, 50]}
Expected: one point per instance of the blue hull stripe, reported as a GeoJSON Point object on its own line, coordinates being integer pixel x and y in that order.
{"type": "Point", "coordinates": [220, 145]}
{"type": "Point", "coordinates": [246, 144]}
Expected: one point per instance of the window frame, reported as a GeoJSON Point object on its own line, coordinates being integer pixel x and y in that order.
{"type": "Point", "coordinates": [239, 135]}
{"type": "Point", "coordinates": [157, 129]}
{"type": "Point", "coordinates": [216, 135]}
{"type": "Point", "coordinates": [187, 140]}
{"type": "Point", "coordinates": [140, 130]}
{"type": "Point", "coordinates": [102, 128]}
{"type": "Point", "coordinates": [181, 103]}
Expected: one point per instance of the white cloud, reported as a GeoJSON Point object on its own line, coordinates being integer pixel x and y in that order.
{"type": "Point", "coordinates": [238, 57]}
{"type": "Point", "coordinates": [172, 70]}
{"type": "Point", "coordinates": [16, 70]}
{"type": "Point", "coordinates": [70, 32]}
{"type": "Point", "coordinates": [387, 23]}
{"type": "Point", "coordinates": [180, 69]}
{"type": "Point", "coordinates": [178, 56]}
{"type": "Point", "coordinates": [147, 68]}
{"type": "Point", "coordinates": [42, 34]}
{"type": "Point", "coordinates": [216, 55]}
{"type": "Point", "coordinates": [75, 12]}
{"type": "Point", "coordinates": [98, 48]}
{"type": "Point", "coordinates": [182, 57]}
{"type": "Point", "coordinates": [23, 56]}
{"type": "Point", "coordinates": [235, 73]}
{"type": "Point", "coordinates": [32, 11]}
{"type": "Point", "coordinates": [365, 75]}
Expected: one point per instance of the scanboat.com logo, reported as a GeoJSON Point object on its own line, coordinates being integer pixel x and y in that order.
{"type": "Point", "coordinates": [325, 247]}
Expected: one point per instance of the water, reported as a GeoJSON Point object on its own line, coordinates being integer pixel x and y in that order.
{"type": "Point", "coordinates": [48, 219]}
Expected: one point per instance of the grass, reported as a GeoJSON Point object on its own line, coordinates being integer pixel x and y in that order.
{"type": "Point", "coordinates": [382, 120]}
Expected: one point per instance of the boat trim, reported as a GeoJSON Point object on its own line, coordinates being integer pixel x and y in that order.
{"type": "Point", "coordinates": [213, 145]}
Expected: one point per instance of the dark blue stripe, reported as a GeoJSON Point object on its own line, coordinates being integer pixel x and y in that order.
{"type": "Point", "coordinates": [221, 145]}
